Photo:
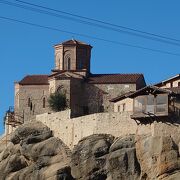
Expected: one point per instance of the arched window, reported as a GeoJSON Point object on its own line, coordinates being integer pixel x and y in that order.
{"type": "Point", "coordinates": [29, 102]}
{"type": "Point", "coordinates": [60, 89]}
{"type": "Point", "coordinates": [67, 62]}
{"type": "Point", "coordinates": [44, 102]}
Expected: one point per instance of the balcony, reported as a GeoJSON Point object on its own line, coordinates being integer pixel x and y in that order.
{"type": "Point", "coordinates": [148, 106]}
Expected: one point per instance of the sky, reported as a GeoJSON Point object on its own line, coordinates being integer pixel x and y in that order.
{"type": "Point", "coordinates": [26, 49]}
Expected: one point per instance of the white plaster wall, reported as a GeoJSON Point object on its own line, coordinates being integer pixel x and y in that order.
{"type": "Point", "coordinates": [128, 105]}
{"type": "Point", "coordinates": [168, 85]}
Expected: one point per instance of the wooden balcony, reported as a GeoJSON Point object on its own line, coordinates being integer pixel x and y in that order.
{"type": "Point", "coordinates": [149, 106]}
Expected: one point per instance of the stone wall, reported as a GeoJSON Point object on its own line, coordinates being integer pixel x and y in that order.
{"type": "Point", "coordinates": [73, 130]}
{"type": "Point", "coordinates": [98, 95]}
{"type": "Point", "coordinates": [34, 93]}
{"type": "Point", "coordinates": [116, 124]}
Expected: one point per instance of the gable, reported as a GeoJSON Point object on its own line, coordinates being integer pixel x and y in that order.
{"type": "Point", "coordinates": [66, 75]}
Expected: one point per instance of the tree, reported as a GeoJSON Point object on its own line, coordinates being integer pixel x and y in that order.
{"type": "Point", "coordinates": [58, 101]}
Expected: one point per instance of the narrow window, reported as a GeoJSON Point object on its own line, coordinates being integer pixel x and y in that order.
{"type": "Point", "coordinates": [31, 106]}
{"type": "Point", "coordinates": [68, 63]}
{"type": "Point", "coordinates": [178, 84]}
{"type": "Point", "coordinates": [123, 107]}
{"type": "Point", "coordinates": [44, 102]}
{"type": "Point", "coordinates": [119, 108]}
{"type": "Point", "coordinates": [171, 84]}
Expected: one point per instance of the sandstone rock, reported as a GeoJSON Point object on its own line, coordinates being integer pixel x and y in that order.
{"type": "Point", "coordinates": [32, 132]}
{"type": "Point", "coordinates": [89, 157]}
{"type": "Point", "coordinates": [99, 157]}
{"type": "Point", "coordinates": [122, 162]}
{"type": "Point", "coordinates": [34, 154]}
{"type": "Point", "coordinates": [157, 155]}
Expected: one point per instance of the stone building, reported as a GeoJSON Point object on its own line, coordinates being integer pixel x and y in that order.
{"type": "Point", "coordinates": [87, 93]}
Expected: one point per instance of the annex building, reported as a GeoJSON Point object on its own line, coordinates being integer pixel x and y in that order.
{"type": "Point", "coordinates": [87, 93]}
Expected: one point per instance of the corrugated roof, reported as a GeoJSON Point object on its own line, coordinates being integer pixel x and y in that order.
{"type": "Point", "coordinates": [34, 80]}
{"type": "Point", "coordinates": [113, 78]}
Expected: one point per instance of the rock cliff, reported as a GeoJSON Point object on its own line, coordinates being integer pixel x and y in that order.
{"type": "Point", "coordinates": [33, 154]}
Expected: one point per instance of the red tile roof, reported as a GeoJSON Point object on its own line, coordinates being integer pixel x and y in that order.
{"type": "Point", "coordinates": [113, 78]}
{"type": "Point", "coordinates": [34, 80]}
{"type": "Point", "coordinates": [73, 42]}
{"type": "Point", "coordinates": [92, 79]}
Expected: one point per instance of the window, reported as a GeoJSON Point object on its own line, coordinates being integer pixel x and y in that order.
{"type": "Point", "coordinates": [161, 103]}
{"type": "Point", "coordinates": [150, 104]}
{"type": "Point", "coordinates": [178, 84]}
{"type": "Point", "coordinates": [60, 89]}
{"type": "Point", "coordinates": [31, 106]}
{"type": "Point", "coordinates": [29, 102]}
{"type": "Point", "coordinates": [44, 102]}
{"type": "Point", "coordinates": [171, 84]}
{"type": "Point", "coordinates": [139, 104]}
{"type": "Point", "coordinates": [101, 109]}
{"type": "Point", "coordinates": [67, 62]}
{"type": "Point", "coordinates": [123, 107]}
{"type": "Point", "coordinates": [119, 108]}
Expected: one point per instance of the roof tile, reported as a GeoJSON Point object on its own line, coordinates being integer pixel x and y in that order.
{"type": "Point", "coordinates": [113, 78]}
{"type": "Point", "coordinates": [34, 80]}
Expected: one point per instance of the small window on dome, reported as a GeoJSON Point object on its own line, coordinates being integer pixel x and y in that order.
{"type": "Point", "coordinates": [67, 62]}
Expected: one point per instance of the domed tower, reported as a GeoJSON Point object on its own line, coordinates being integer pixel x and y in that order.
{"type": "Point", "coordinates": [72, 55]}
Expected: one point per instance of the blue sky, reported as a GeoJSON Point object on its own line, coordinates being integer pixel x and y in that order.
{"type": "Point", "coordinates": [29, 50]}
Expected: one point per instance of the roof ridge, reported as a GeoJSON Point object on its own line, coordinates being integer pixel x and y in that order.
{"type": "Point", "coordinates": [120, 74]}
{"type": "Point", "coordinates": [37, 75]}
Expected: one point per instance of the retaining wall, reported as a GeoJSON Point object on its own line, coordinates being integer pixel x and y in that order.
{"type": "Point", "coordinates": [73, 130]}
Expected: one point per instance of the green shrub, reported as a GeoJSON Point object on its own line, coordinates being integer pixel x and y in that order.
{"type": "Point", "coordinates": [58, 101]}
